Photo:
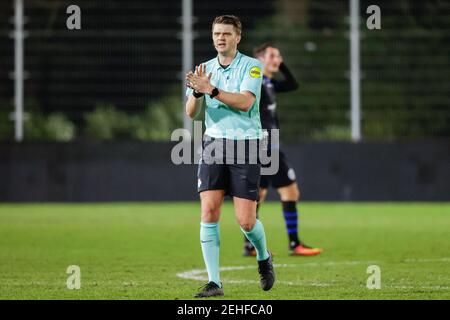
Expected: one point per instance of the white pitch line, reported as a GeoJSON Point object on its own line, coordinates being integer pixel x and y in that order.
{"type": "Point", "coordinates": [426, 260]}
{"type": "Point", "coordinates": [420, 287]}
{"type": "Point", "coordinates": [201, 274]}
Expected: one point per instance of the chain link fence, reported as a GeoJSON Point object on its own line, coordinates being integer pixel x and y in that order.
{"type": "Point", "coordinates": [119, 76]}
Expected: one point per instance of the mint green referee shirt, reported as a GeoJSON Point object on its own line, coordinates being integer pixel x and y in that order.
{"type": "Point", "coordinates": [222, 121]}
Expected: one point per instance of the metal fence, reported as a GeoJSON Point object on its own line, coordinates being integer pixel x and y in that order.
{"type": "Point", "coordinates": [122, 72]}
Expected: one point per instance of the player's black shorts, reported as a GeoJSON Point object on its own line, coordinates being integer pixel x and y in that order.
{"type": "Point", "coordinates": [283, 178]}
{"type": "Point", "coordinates": [237, 179]}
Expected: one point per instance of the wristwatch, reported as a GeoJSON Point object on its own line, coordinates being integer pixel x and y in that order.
{"type": "Point", "coordinates": [197, 94]}
{"type": "Point", "coordinates": [214, 92]}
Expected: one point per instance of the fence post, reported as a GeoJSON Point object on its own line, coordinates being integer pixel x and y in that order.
{"type": "Point", "coordinates": [355, 73]}
{"type": "Point", "coordinates": [18, 35]}
{"type": "Point", "coordinates": [187, 52]}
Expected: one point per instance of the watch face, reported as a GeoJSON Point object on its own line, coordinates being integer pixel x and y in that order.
{"type": "Point", "coordinates": [215, 92]}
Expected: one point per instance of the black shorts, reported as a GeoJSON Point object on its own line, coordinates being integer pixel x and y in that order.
{"type": "Point", "coordinates": [238, 180]}
{"type": "Point", "coordinates": [283, 178]}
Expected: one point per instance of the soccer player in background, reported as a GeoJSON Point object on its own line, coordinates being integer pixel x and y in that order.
{"type": "Point", "coordinates": [284, 180]}
{"type": "Point", "coordinates": [230, 85]}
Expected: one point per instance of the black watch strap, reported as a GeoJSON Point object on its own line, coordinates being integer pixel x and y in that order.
{"type": "Point", "coordinates": [197, 94]}
{"type": "Point", "coordinates": [214, 93]}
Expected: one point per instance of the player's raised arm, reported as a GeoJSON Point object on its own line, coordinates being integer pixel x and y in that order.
{"type": "Point", "coordinates": [289, 83]}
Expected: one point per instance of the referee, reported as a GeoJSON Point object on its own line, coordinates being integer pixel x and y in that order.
{"type": "Point", "coordinates": [230, 85]}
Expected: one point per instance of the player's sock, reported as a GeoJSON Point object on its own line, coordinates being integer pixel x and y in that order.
{"type": "Point", "coordinates": [257, 237]}
{"type": "Point", "coordinates": [210, 240]}
{"type": "Point", "coordinates": [247, 242]}
{"type": "Point", "coordinates": [291, 218]}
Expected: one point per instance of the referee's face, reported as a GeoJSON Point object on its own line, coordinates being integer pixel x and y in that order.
{"type": "Point", "coordinates": [225, 38]}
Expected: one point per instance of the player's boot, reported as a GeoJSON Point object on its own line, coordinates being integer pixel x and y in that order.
{"type": "Point", "coordinates": [211, 289]}
{"type": "Point", "coordinates": [266, 273]}
{"type": "Point", "coordinates": [302, 249]}
{"type": "Point", "coordinates": [249, 249]}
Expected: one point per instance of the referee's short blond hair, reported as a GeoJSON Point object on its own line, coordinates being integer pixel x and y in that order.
{"type": "Point", "coordinates": [229, 19]}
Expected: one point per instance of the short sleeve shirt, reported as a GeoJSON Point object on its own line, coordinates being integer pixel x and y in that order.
{"type": "Point", "coordinates": [222, 121]}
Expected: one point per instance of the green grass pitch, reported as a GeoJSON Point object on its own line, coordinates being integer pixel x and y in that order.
{"type": "Point", "coordinates": [140, 250]}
